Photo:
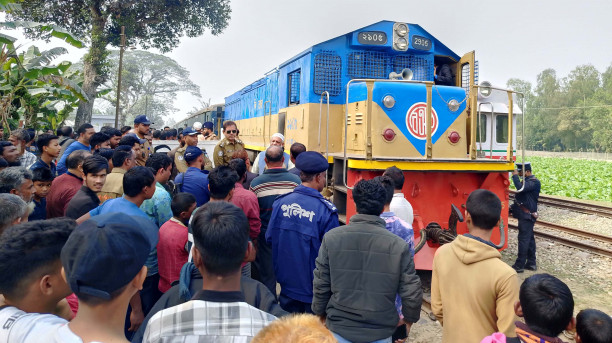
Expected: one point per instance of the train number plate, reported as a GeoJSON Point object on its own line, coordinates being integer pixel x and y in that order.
{"type": "Point", "coordinates": [372, 38]}
{"type": "Point", "coordinates": [421, 43]}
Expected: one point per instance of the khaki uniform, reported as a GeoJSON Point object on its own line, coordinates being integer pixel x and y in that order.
{"type": "Point", "coordinates": [224, 151]}
{"type": "Point", "coordinates": [146, 152]}
{"type": "Point", "coordinates": [211, 137]}
{"type": "Point", "coordinates": [113, 187]}
{"type": "Point", "coordinates": [181, 165]}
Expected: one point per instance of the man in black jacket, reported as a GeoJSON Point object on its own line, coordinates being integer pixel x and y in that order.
{"type": "Point", "coordinates": [360, 269]}
{"type": "Point", "coordinates": [525, 209]}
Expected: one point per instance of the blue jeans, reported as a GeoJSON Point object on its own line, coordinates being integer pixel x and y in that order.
{"type": "Point", "coordinates": [344, 340]}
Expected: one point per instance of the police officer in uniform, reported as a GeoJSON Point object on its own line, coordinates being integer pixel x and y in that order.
{"type": "Point", "coordinates": [142, 125]}
{"type": "Point", "coordinates": [298, 222]}
{"type": "Point", "coordinates": [228, 145]}
{"type": "Point", "coordinates": [525, 209]}
{"type": "Point", "coordinates": [207, 132]}
{"type": "Point", "coordinates": [191, 139]}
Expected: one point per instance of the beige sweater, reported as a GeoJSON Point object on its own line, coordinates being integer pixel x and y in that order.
{"type": "Point", "coordinates": [473, 291]}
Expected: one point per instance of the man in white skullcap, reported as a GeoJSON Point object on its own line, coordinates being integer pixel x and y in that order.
{"type": "Point", "coordinates": [259, 165]}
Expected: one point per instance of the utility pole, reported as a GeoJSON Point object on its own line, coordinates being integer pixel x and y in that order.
{"type": "Point", "coordinates": [121, 49]}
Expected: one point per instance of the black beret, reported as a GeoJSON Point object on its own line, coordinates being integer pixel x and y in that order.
{"type": "Point", "coordinates": [311, 162]}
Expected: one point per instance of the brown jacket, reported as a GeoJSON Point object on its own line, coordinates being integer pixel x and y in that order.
{"type": "Point", "coordinates": [473, 291]}
{"type": "Point", "coordinates": [113, 187]}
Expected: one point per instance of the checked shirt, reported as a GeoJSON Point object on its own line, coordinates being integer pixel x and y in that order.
{"type": "Point", "coordinates": [210, 316]}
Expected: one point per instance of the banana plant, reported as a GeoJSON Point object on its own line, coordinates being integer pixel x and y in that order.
{"type": "Point", "coordinates": [32, 89]}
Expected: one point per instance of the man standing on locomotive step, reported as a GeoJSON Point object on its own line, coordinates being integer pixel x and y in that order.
{"type": "Point", "coordinates": [525, 209]}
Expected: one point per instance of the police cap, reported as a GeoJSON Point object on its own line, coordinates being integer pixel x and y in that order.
{"type": "Point", "coordinates": [189, 132]}
{"type": "Point", "coordinates": [526, 165]}
{"type": "Point", "coordinates": [208, 125]}
{"type": "Point", "coordinates": [311, 162]}
{"type": "Point", "coordinates": [191, 153]}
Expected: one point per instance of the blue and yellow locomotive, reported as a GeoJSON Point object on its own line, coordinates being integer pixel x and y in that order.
{"type": "Point", "coordinates": [367, 100]}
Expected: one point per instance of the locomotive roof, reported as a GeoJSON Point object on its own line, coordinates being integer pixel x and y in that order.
{"type": "Point", "coordinates": [439, 50]}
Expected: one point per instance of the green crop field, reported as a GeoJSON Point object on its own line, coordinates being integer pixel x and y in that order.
{"type": "Point", "coordinates": [580, 179]}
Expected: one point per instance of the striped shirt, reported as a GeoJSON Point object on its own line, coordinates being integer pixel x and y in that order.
{"type": "Point", "coordinates": [268, 186]}
{"type": "Point", "coordinates": [211, 316]}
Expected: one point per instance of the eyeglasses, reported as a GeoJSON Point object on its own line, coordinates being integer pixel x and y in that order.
{"type": "Point", "coordinates": [231, 131]}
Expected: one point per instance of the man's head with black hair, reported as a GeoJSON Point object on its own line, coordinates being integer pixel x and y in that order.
{"type": "Point", "coordinates": [99, 140]}
{"type": "Point", "coordinates": [221, 239]}
{"type": "Point", "coordinates": [85, 132]}
{"type": "Point", "coordinates": [369, 196]}
{"type": "Point", "coordinates": [593, 326]}
{"type": "Point", "coordinates": [239, 166]}
{"type": "Point", "coordinates": [274, 156]}
{"type": "Point", "coordinates": [76, 158]}
{"type": "Point", "coordinates": [296, 149]}
{"type": "Point", "coordinates": [114, 134]}
{"type": "Point", "coordinates": [42, 178]}
{"type": "Point", "coordinates": [389, 186]}
{"type": "Point", "coordinates": [161, 164]}
{"type": "Point", "coordinates": [483, 209]}
{"type": "Point", "coordinates": [156, 134]}
{"type": "Point", "coordinates": [95, 169]}
{"type": "Point", "coordinates": [221, 183]}
{"type": "Point", "coordinates": [139, 181]}
{"type": "Point", "coordinates": [183, 204]}
{"type": "Point", "coordinates": [49, 145]}
{"type": "Point", "coordinates": [129, 140]}
{"type": "Point", "coordinates": [396, 175]}
{"type": "Point", "coordinates": [547, 305]}
{"type": "Point", "coordinates": [65, 131]}
{"type": "Point", "coordinates": [13, 210]}
{"type": "Point", "coordinates": [124, 157]}
{"type": "Point", "coordinates": [125, 129]}
{"type": "Point", "coordinates": [30, 264]}
{"type": "Point", "coordinates": [10, 153]}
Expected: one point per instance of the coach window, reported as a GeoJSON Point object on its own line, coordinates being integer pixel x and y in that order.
{"type": "Point", "coordinates": [294, 87]}
{"type": "Point", "coordinates": [501, 129]}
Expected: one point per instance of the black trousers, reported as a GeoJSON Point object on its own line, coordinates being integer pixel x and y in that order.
{"type": "Point", "coordinates": [526, 244]}
{"type": "Point", "coordinates": [263, 265]}
{"type": "Point", "coordinates": [294, 306]}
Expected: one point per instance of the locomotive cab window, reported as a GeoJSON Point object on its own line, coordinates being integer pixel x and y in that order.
{"type": "Point", "coordinates": [481, 134]}
{"type": "Point", "coordinates": [501, 129]}
{"type": "Point", "coordinates": [294, 87]}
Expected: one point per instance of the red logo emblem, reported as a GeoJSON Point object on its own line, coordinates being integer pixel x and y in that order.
{"type": "Point", "coordinates": [416, 118]}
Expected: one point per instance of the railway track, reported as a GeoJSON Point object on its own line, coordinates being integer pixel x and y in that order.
{"type": "Point", "coordinates": [573, 205]}
{"type": "Point", "coordinates": [579, 243]}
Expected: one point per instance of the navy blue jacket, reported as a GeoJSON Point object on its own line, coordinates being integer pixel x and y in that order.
{"type": "Point", "coordinates": [195, 181]}
{"type": "Point", "coordinates": [298, 222]}
{"type": "Point", "coordinates": [528, 197]}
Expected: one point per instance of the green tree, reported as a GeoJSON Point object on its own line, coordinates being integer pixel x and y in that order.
{"type": "Point", "coordinates": [150, 83]}
{"type": "Point", "coordinates": [150, 24]}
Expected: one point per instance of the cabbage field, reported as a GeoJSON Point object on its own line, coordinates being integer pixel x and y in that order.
{"type": "Point", "coordinates": [575, 178]}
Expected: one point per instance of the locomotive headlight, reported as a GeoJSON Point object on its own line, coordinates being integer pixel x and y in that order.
{"type": "Point", "coordinates": [485, 88]}
{"type": "Point", "coordinates": [453, 105]}
{"type": "Point", "coordinates": [401, 30]}
{"type": "Point", "coordinates": [401, 44]}
{"type": "Point", "coordinates": [389, 101]}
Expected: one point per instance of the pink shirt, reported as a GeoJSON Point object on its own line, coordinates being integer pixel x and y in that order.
{"type": "Point", "coordinates": [247, 201]}
{"type": "Point", "coordinates": [172, 252]}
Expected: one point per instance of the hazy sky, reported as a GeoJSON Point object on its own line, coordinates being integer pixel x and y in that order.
{"type": "Point", "coordinates": [515, 38]}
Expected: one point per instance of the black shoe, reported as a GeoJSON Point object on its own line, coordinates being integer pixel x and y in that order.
{"type": "Point", "coordinates": [532, 267]}
{"type": "Point", "coordinates": [517, 269]}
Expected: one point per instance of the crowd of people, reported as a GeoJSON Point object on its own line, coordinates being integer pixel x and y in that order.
{"type": "Point", "coordinates": [104, 238]}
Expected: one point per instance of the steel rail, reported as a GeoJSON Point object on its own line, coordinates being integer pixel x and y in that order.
{"type": "Point", "coordinates": [577, 206]}
{"type": "Point", "coordinates": [569, 242]}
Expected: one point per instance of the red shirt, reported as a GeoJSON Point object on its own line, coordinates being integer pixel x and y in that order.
{"type": "Point", "coordinates": [247, 201]}
{"type": "Point", "coordinates": [172, 252]}
{"type": "Point", "coordinates": [63, 188]}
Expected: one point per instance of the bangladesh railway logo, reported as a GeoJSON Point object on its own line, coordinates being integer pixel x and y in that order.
{"type": "Point", "coordinates": [416, 118]}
